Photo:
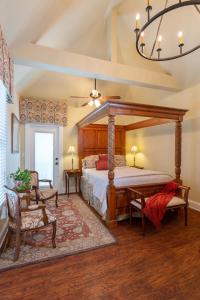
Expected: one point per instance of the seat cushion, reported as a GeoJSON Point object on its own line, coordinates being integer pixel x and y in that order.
{"type": "Point", "coordinates": [33, 219]}
{"type": "Point", "coordinates": [45, 193]}
{"type": "Point", "coordinates": [173, 202]}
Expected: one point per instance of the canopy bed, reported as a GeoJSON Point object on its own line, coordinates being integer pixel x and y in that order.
{"type": "Point", "coordinates": [112, 141]}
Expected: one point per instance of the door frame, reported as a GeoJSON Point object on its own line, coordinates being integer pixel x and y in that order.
{"type": "Point", "coordinates": [28, 128]}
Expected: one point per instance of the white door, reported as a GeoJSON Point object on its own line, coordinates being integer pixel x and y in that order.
{"type": "Point", "coordinates": [44, 152]}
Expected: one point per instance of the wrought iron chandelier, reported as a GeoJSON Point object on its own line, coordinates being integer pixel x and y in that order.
{"type": "Point", "coordinates": [140, 32]}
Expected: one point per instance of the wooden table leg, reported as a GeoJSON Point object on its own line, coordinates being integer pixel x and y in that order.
{"type": "Point", "coordinates": [68, 185]}
{"type": "Point", "coordinates": [76, 177]}
{"type": "Point", "coordinates": [65, 184]}
{"type": "Point", "coordinates": [79, 184]}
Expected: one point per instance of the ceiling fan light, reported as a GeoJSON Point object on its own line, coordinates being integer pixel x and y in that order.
{"type": "Point", "coordinates": [91, 103]}
{"type": "Point", "coordinates": [97, 103]}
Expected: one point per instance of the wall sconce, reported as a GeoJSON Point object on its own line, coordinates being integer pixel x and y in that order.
{"type": "Point", "coordinates": [134, 149]}
{"type": "Point", "coordinates": [71, 150]}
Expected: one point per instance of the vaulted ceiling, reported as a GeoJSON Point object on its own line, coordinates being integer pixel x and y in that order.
{"type": "Point", "coordinates": [83, 27]}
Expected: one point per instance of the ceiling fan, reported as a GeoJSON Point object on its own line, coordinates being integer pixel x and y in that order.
{"type": "Point", "coordinates": [95, 98]}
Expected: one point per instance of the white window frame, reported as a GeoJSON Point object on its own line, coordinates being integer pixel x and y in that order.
{"type": "Point", "coordinates": [3, 140]}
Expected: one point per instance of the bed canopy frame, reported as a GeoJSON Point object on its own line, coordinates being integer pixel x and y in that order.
{"type": "Point", "coordinates": [157, 115]}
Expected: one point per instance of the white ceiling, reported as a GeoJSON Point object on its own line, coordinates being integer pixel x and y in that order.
{"type": "Point", "coordinates": [80, 26]}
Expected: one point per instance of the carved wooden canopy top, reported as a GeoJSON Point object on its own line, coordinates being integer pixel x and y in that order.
{"type": "Point", "coordinates": [114, 108]}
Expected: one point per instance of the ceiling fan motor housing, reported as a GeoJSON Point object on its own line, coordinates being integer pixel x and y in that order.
{"type": "Point", "coordinates": [95, 94]}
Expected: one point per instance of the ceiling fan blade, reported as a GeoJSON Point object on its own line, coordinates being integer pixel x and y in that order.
{"type": "Point", "coordinates": [86, 103]}
{"type": "Point", "coordinates": [111, 97]}
{"type": "Point", "coordinates": [78, 97]}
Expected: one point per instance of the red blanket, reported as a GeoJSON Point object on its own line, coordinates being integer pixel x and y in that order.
{"type": "Point", "coordinates": [155, 206]}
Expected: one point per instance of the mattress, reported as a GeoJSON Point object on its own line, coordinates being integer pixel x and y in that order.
{"type": "Point", "coordinates": [124, 176]}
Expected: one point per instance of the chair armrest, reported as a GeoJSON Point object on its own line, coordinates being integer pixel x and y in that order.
{"type": "Point", "coordinates": [38, 207]}
{"type": "Point", "coordinates": [33, 207]}
{"type": "Point", "coordinates": [139, 194]}
{"type": "Point", "coordinates": [135, 191]}
{"type": "Point", "coordinates": [47, 180]}
{"type": "Point", "coordinates": [185, 190]}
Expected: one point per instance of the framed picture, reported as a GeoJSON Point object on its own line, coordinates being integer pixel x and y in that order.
{"type": "Point", "coordinates": [15, 127]}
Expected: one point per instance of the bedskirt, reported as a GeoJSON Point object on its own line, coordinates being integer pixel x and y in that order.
{"type": "Point", "coordinates": [87, 194]}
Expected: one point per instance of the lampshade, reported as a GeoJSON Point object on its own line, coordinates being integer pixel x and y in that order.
{"type": "Point", "coordinates": [71, 149]}
{"type": "Point", "coordinates": [134, 149]}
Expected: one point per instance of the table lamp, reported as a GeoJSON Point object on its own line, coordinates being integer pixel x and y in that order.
{"type": "Point", "coordinates": [134, 149]}
{"type": "Point", "coordinates": [72, 151]}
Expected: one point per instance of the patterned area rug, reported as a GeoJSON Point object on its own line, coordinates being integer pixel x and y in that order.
{"type": "Point", "coordinates": [78, 230]}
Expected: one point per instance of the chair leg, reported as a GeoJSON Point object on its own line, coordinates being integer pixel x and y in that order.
{"type": "Point", "coordinates": [8, 238]}
{"type": "Point", "coordinates": [17, 245]}
{"type": "Point", "coordinates": [57, 199]}
{"type": "Point", "coordinates": [186, 215]}
{"type": "Point", "coordinates": [143, 224]}
{"type": "Point", "coordinates": [54, 234]}
{"type": "Point", "coordinates": [131, 214]}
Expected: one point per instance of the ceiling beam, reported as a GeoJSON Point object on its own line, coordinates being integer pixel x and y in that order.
{"type": "Point", "coordinates": [54, 60]}
{"type": "Point", "coordinates": [147, 123]}
{"type": "Point", "coordinates": [112, 36]}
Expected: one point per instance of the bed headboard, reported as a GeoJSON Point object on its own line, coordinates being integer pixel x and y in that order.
{"type": "Point", "coordinates": [93, 139]}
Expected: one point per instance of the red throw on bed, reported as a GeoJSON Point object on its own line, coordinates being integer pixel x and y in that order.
{"type": "Point", "coordinates": [155, 206]}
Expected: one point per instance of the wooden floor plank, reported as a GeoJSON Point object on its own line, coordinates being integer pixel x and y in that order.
{"type": "Point", "coordinates": [161, 265]}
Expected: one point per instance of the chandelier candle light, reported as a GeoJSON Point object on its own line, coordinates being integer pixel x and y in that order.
{"type": "Point", "coordinates": [140, 32]}
{"type": "Point", "coordinates": [71, 150]}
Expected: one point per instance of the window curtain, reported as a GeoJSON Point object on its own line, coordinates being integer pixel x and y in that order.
{"type": "Point", "coordinates": [6, 67]}
{"type": "Point", "coordinates": [43, 111]}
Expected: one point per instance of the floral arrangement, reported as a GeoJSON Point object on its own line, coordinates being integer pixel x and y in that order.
{"type": "Point", "coordinates": [22, 179]}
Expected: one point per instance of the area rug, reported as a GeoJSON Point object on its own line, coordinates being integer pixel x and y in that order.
{"type": "Point", "coordinates": [78, 230]}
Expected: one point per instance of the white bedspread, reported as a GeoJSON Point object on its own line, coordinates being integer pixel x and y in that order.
{"type": "Point", "coordinates": [124, 176]}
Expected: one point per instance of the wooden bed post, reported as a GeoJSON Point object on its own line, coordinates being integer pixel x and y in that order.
{"type": "Point", "coordinates": [111, 191]}
{"type": "Point", "coordinates": [178, 142]}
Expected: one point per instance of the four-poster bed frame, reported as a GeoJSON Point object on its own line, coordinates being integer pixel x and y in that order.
{"type": "Point", "coordinates": [117, 201]}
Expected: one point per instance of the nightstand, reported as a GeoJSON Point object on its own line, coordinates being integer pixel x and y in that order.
{"type": "Point", "coordinates": [138, 167]}
{"type": "Point", "coordinates": [76, 174]}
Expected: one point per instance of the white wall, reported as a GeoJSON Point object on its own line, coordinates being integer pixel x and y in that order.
{"type": "Point", "coordinates": [13, 159]}
{"type": "Point", "coordinates": [157, 143]}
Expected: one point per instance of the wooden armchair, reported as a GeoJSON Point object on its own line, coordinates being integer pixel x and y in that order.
{"type": "Point", "coordinates": [30, 219]}
{"type": "Point", "coordinates": [42, 194]}
{"type": "Point", "coordinates": [137, 202]}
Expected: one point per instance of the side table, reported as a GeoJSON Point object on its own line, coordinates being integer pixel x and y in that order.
{"type": "Point", "coordinates": [73, 173]}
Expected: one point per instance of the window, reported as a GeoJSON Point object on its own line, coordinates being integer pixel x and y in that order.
{"type": "Point", "coordinates": [3, 140]}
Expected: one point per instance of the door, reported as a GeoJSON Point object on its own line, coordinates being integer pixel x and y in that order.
{"type": "Point", "coordinates": [44, 152]}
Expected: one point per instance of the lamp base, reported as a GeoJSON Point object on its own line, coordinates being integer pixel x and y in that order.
{"type": "Point", "coordinates": [72, 164]}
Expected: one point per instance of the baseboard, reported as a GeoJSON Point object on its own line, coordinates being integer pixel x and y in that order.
{"type": "Point", "coordinates": [194, 205]}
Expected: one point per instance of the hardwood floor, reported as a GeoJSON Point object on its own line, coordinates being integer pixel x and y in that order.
{"type": "Point", "coordinates": [161, 265]}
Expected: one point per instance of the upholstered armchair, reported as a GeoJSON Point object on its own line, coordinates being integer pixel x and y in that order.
{"type": "Point", "coordinates": [32, 218]}
{"type": "Point", "coordinates": [42, 194]}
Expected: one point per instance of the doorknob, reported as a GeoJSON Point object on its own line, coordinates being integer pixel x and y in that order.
{"type": "Point", "coordinates": [56, 158]}
{"type": "Point", "coordinates": [56, 163]}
